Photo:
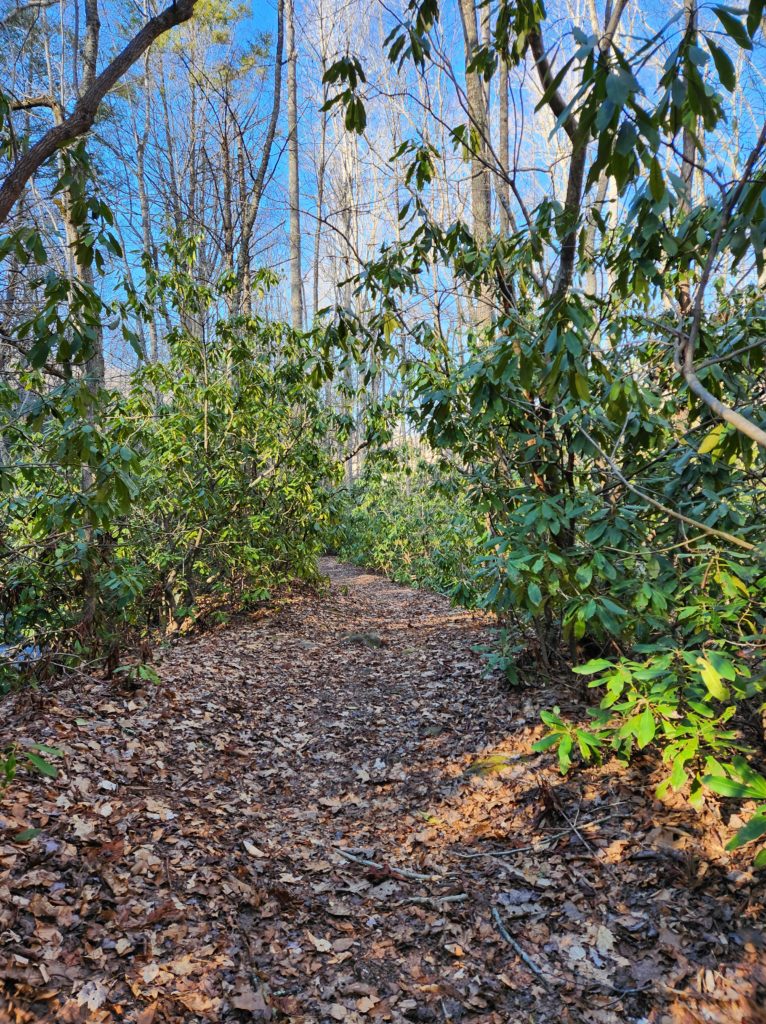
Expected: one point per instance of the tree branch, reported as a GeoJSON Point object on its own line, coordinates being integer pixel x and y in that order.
{"type": "Point", "coordinates": [38, 5]}
{"type": "Point", "coordinates": [686, 344]}
{"type": "Point", "coordinates": [571, 125]}
{"type": "Point", "coordinates": [709, 530]}
{"type": "Point", "coordinates": [555, 100]}
{"type": "Point", "coordinates": [84, 113]}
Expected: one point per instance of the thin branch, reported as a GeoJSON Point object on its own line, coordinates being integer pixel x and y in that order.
{"type": "Point", "coordinates": [519, 950]}
{"type": "Point", "coordinates": [685, 347]}
{"type": "Point", "coordinates": [734, 354]}
{"type": "Point", "coordinates": [709, 530]}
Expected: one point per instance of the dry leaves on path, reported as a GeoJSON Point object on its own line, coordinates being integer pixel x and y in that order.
{"type": "Point", "coordinates": [292, 827]}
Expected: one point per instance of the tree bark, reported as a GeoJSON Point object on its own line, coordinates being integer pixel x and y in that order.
{"type": "Point", "coordinates": [296, 279]}
{"type": "Point", "coordinates": [688, 160]}
{"type": "Point", "coordinates": [479, 125]}
{"type": "Point", "coordinates": [321, 169]}
{"type": "Point", "coordinates": [141, 142]}
{"type": "Point", "coordinates": [503, 185]}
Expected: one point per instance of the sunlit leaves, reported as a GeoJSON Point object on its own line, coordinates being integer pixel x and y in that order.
{"type": "Point", "coordinates": [347, 70]}
{"type": "Point", "coordinates": [409, 39]}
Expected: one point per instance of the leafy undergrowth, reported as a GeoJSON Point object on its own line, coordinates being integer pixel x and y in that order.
{"type": "Point", "coordinates": [328, 814]}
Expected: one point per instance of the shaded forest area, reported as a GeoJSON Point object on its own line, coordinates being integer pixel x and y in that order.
{"type": "Point", "coordinates": [469, 294]}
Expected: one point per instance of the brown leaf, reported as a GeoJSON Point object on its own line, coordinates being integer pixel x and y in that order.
{"type": "Point", "coordinates": [321, 945]}
{"type": "Point", "coordinates": [253, 1001]}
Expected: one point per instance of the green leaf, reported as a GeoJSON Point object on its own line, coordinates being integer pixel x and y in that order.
{"type": "Point", "coordinates": [592, 666]}
{"type": "Point", "coordinates": [584, 575]}
{"type": "Point", "coordinates": [42, 766]}
{"type": "Point", "coordinates": [554, 84]}
{"type": "Point", "coordinates": [581, 387]}
{"type": "Point", "coordinates": [565, 750]}
{"type": "Point", "coordinates": [535, 595]}
{"type": "Point", "coordinates": [723, 65]}
{"type": "Point", "coordinates": [755, 16]}
{"type": "Point", "coordinates": [546, 742]}
{"type": "Point", "coordinates": [645, 728]}
{"type": "Point", "coordinates": [711, 441]}
{"type": "Point", "coordinates": [656, 181]}
{"type": "Point", "coordinates": [45, 749]}
{"type": "Point", "coordinates": [696, 794]}
{"type": "Point", "coordinates": [551, 717]}
{"type": "Point", "coordinates": [618, 87]}
{"type": "Point", "coordinates": [754, 829]}
{"type": "Point", "coordinates": [734, 28]}
{"type": "Point", "coordinates": [677, 777]}
{"type": "Point", "coordinates": [26, 834]}
{"type": "Point", "coordinates": [712, 679]}
{"type": "Point", "coordinates": [726, 787]}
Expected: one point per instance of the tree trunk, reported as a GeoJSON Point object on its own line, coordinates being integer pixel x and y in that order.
{"type": "Point", "coordinates": [143, 199]}
{"type": "Point", "coordinates": [296, 280]}
{"type": "Point", "coordinates": [503, 185]}
{"type": "Point", "coordinates": [479, 126]}
{"type": "Point", "coordinates": [688, 161]}
{"type": "Point", "coordinates": [242, 296]}
{"type": "Point", "coordinates": [321, 169]}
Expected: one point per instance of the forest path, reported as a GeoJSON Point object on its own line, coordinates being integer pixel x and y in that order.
{"type": "Point", "coordinates": [202, 854]}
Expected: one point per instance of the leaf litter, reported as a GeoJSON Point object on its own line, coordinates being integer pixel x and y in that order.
{"type": "Point", "coordinates": [299, 826]}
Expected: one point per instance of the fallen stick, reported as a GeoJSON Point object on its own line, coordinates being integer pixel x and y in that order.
{"type": "Point", "coordinates": [457, 898]}
{"type": "Point", "coordinates": [511, 850]}
{"type": "Point", "coordinates": [387, 869]}
{"type": "Point", "coordinates": [573, 826]}
{"type": "Point", "coordinates": [519, 950]}
{"type": "Point", "coordinates": [539, 845]}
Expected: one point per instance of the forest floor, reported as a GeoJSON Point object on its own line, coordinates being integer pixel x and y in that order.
{"type": "Point", "coordinates": [295, 826]}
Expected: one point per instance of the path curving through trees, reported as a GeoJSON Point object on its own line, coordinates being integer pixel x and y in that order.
{"type": "Point", "coordinates": [327, 813]}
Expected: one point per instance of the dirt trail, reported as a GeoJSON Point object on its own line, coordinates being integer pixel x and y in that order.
{"type": "Point", "coordinates": [292, 827]}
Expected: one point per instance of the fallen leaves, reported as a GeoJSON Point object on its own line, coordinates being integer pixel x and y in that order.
{"type": "Point", "coordinates": [294, 828]}
{"type": "Point", "coordinates": [247, 998]}
{"type": "Point", "coordinates": [93, 994]}
{"type": "Point", "coordinates": [321, 945]}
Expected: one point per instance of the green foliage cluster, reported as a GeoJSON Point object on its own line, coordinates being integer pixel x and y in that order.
{"type": "Point", "coordinates": [409, 519]}
{"type": "Point", "coordinates": [201, 485]}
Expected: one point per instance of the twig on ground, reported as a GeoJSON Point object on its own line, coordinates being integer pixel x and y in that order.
{"type": "Point", "coordinates": [512, 850]}
{"type": "Point", "coordinates": [386, 868]}
{"type": "Point", "coordinates": [432, 900]}
{"type": "Point", "coordinates": [541, 844]}
{"type": "Point", "coordinates": [519, 950]}
{"type": "Point", "coordinates": [586, 844]}
{"type": "Point", "coordinates": [560, 809]}
{"type": "Point", "coordinates": [620, 993]}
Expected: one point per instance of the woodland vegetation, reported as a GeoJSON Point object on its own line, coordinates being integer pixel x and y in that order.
{"type": "Point", "coordinates": [471, 293]}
